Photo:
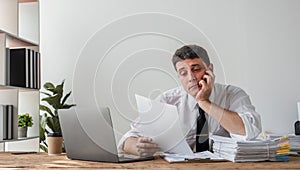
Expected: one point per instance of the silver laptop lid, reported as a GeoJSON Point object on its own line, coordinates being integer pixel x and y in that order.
{"type": "Point", "coordinates": [88, 134]}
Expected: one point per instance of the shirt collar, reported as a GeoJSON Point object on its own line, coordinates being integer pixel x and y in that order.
{"type": "Point", "coordinates": [192, 101]}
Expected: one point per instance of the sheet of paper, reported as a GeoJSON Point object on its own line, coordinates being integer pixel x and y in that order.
{"type": "Point", "coordinates": [160, 121]}
{"type": "Point", "coordinates": [205, 155]}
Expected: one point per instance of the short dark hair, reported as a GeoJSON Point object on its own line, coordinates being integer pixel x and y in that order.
{"type": "Point", "coordinates": [190, 52]}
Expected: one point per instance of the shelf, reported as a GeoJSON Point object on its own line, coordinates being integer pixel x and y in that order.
{"type": "Point", "coordinates": [19, 139]}
{"type": "Point", "coordinates": [19, 60]}
{"type": "Point", "coordinates": [23, 62]}
{"type": "Point", "coordinates": [21, 89]}
{"type": "Point", "coordinates": [15, 41]}
{"type": "Point", "coordinates": [24, 1]}
{"type": "Point", "coordinates": [23, 101]}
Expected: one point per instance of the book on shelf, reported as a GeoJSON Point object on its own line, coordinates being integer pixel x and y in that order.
{"type": "Point", "coordinates": [7, 64]}
{"type": "Point", "coordinates": [38, 64]}
{"type": "Point", "coordinates": [3, 122]}
{"type": "Point", "coordinates": [10, 122]}
{"type": "Point", "coordinates": [27, 68]}
{"type": "Point", "coordinates": [31, 74]}
{"type": "Point", "coordinates": [6, 122]}
{"type": "Point", "coordinates": [17, 67]}
{"type": "Point", "coordinates": [23, 68]}
{"type": "Point", "coordinates": [34, 70]}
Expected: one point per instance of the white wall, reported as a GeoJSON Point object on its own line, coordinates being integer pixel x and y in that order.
{"type": "Point", "coordinates": [253, 43]}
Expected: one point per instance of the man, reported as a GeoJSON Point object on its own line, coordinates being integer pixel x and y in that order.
{"type": "Point", "coordinates": [226, 110]}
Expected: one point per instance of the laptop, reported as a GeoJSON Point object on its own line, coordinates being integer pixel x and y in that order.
{"type": "Point", "coordinates": [88, 135]}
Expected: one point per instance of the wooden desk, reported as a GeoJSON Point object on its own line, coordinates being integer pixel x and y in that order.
{"type": "Point", "coordinates": [43, 161]}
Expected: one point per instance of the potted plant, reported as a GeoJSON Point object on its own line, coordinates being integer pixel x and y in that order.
{"type": "Point", "coordinates": [24, 121]}
{"type": "Point", "coordinates": [49, 120]}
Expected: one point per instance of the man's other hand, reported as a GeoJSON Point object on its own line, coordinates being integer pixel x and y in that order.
{"type": "Point", "coordinates": [141, 146]}
{"type": "Point", "coordinates": [145, 147]}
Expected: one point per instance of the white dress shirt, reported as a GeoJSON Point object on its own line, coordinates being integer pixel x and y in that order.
{"type": "Point", "coordinates": [226, 96]}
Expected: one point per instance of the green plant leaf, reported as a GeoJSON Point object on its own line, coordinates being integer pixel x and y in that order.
{"type": "Point", "coordinates": [25, 120]}
{"type": "Point", "coordinates": [60, 88]}
{"type": "Point", "coordinates": [42, 134]}
{"type": "Point", "coordinates": [54, 101]}
{"type": "Point", "coordinates": [43, 127]}
{"type": "Point", "coordinates": [49, 86]}
{"type": "Point", "coordinates": [67, 106]}
{"type": "Point", "coordinates": [44, 148]}
{"type": "Point", "coordinates": [47, 109]}
{"type": "Point", "coordinates": [47, 94]}
{"type": "Point", "coordinates": [57, 125]}
{"type": "Point", "coordinates": [53, 124]}
{"type": "Point", "coordinates": [65, 98]}
{"type": "Point", "coordinates": [50, 123]}
{"type": "Point", "coordinates": [50, 120]}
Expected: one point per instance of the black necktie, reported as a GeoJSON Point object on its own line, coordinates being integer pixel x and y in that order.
{"type": "Point", "coordinates": [202, 142]}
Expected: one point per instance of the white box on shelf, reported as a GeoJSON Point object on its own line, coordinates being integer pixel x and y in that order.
{"type": "Point", "coordinates": [298, 106]}
{"type": "Point", "coordinates": [29, 21]}
{"type": "Point", "coordinates": [9, 16]}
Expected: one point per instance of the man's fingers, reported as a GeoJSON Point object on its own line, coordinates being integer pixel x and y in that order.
{"type": "Point", "coordinates": [208, 79]}
{"type": "Point", "coordinates": [153, 150]}
{"type": "Point", "coordinates": [146, 145]}
{"type": "Point", "coordinates": [202, 84]}
{"type": "Point", "coordinates": [210, 74]}
{"type": "Point", "coordinates": [147, 152]}
{"type": "Point", "coordinates": [144, 139]}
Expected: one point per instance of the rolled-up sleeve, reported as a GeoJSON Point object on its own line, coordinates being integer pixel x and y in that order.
{"type": "Point", "coordinates": [133, 132]}
{"type": "Point", "coordinates": [252, 125]}
{"type": "Point", "coordinates": [240, 103]}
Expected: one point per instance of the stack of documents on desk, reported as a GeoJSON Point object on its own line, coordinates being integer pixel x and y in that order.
{"type": "Point", "coordinates": [295, 143]}
{"type": "Point", "coordinates": [251, 151]}
{"type": "Point", "coordinates": [282, 154]}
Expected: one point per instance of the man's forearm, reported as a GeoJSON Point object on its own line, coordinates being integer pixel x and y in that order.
{"type": "Point", "coordinates": [231, 121]}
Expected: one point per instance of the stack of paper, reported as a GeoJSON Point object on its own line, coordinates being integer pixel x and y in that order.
{"type": "Point", "coordinates": [251, 151]}
{"type": "Point", "coordinates": [295, 143]}
{"type": "Point", "coordinates": [282, 154]}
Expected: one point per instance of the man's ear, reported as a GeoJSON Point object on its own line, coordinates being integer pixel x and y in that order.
{"type": "Point", "coordinates": [211, 67]}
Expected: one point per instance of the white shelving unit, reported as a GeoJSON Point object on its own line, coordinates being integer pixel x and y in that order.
{"type": "Point", "coordinates": [19, 28]}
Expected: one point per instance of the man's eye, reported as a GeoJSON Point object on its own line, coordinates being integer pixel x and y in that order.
{"type": "Point", "coordinates": [197, 69]}
{"type": "Point", "coordinates": [182, 73]}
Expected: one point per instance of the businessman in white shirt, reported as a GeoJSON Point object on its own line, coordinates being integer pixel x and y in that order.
{"type": "Point", "coordinates": [228, 110]}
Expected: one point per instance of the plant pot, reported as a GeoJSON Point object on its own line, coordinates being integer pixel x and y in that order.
{"type": "Point", "coordinates": [22, 132]}
{"type": "Point", "coordinates": [54, 143]}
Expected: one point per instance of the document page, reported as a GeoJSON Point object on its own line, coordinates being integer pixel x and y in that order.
{"type": "Point", "coordinates": [160, 121]}
{"type": "Point", "coordinates": [199, 156]}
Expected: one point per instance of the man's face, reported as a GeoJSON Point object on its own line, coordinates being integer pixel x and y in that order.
{"type": "Point", "coordinates": [190, 72]}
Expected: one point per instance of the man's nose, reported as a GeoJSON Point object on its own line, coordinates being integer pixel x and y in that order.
{"type": "Point", "coordinates": [191, 76]}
